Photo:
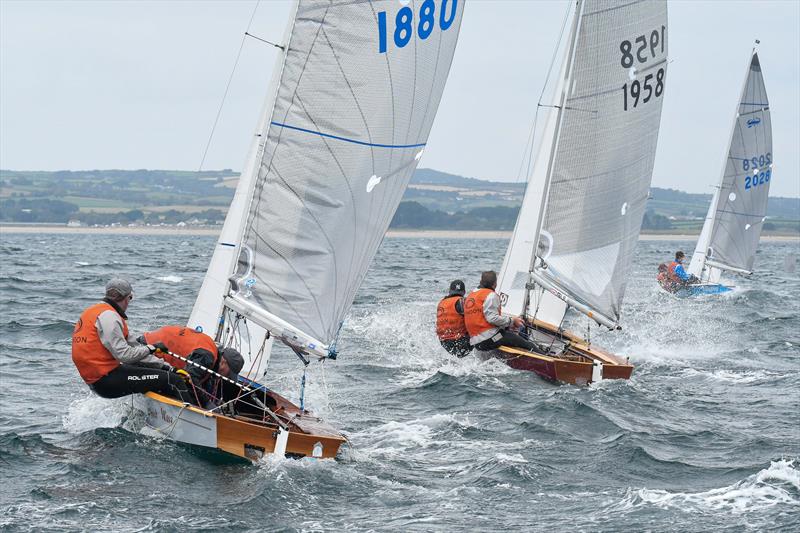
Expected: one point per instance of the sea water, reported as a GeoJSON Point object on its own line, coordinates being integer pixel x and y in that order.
{"type": "Point", "coordinates": [703, 437]}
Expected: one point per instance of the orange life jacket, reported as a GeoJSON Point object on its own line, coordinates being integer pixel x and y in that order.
{"type": "Point", "coordinates": [449, 323]}
{"type": "Point", "coordinates": [473, 312]}
{"type": "Point", "coordinates": [182, 341]}
{"type": "Point", "coordinates": [91, 358]}
{"type": "Point", "coordinates": [671, 272]}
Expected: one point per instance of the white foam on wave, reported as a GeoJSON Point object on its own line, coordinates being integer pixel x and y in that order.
{"type": "Point", "coordinates": [170, 279]}
{"type": "Point", "coordinates": [407, 340]}
{"type": "Point", "coordinates": [777, 485]}
{"type": "Point", "coordinates": [731, 376]}
{"type": "Point", "coordinates": [396, 438]}
{"type": "Point", "coordinates": [92, 412]}
{"type": "Point", "coordinates": [82, 263]}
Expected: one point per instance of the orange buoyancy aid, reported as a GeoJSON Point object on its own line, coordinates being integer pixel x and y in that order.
{"type": "Point", "coordinates": [449, 322]}
{"type": "Point", "coordinates": [473, 312]}
{"type": "Point", "coordinates": [182, 341]}
{"type": "Point", "coordinates": [671, 272]}
{"type": "Point", "coordinates": [91, 358]}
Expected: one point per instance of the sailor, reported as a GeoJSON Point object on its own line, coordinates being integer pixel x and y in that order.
{"type": "Point", "coordinates": [450, 327]}
{"type": "Point", "coordinates": [676, 272]}
{"type": "Point", "coordinates": [110, 361]}
{"type": "Point", "coordinates": [201, 349]}
{"type": "Point", "coordinates": [488, 328]}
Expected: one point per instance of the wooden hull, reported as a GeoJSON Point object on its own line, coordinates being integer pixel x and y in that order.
{"type": "Point", "coordinates": [571, 360]}
{"type": "Point", "coordinates": [245, 437]}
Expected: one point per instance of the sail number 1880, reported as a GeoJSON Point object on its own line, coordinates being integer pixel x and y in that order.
{"type": "Point", "coordinates": [404, 25]}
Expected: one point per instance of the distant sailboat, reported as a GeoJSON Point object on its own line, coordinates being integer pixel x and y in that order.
{"type": "Point", "coordinates": [352, 100]}
{"type": "Point", "coordinates": [730, 235]}
{"type": "Point", "coordinates": [580, 219]}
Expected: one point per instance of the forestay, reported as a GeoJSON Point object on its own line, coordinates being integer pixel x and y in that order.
{"type": "Point", "coordinates": [358, 93]}
{"type": "Point", "coordinates": [733, 226]}
{"type": "Point", "coordinates": [605, 148]}
{"type": "Point", "coordinates": [515, 272]}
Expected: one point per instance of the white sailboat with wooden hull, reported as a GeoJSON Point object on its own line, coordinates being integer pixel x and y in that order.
{"type": "Point", "coordinates": [730, 235]}
{"type": "Point", "coordinates": [352, 101]}
{"type": "Point", "coordinates": [580, 220]}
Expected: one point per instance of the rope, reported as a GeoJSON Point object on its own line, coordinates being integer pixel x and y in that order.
{"type": "Point", "coordinates": [227, 88]}
{"type": "Point", "coordinates": [229, 380]}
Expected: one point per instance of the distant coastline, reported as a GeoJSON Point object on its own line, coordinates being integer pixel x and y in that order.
{"type": "Point", "coordinates": [54, 229]}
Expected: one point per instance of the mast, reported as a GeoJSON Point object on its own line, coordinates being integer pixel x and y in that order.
{"type": "Point", "coordinates": [700, 265]}
{"type": "Point", "coordinates": [573, 37]}
{"type": "Point", "coordinates": [207, 310]}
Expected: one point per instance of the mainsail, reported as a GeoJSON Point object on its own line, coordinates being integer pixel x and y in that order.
{"type": "Point", "coordinates": [738, 209]}
{"type": "Point", "coordinates": [358, 90]}
{"type": "Point", "coordinates": [602, 154]}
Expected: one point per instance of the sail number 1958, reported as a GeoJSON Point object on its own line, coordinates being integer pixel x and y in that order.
{"type": "Point", "coordinates": [405, 25]}
{"type": "Point", "coordinates": [641, 50]}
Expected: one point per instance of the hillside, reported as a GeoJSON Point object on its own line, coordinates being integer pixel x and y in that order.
{"type": "Point", "coordinates": [433, 200]}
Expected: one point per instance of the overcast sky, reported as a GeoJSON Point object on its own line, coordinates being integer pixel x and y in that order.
{"type": "Point", "coordinates": [123, 84]}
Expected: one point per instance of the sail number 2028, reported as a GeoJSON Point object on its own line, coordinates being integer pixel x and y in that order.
{"type": "Point", "coordinates": [640, 51]}
{"type": "Point", "coordinates": [405, 25]}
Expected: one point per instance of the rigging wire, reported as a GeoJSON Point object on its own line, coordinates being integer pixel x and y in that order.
{"type": "Point", "coordinates": [529, 146]}
{"type": "Point", "coordinates": [528, 155]}
{"type": "Point", "coordinates": [227, 88]}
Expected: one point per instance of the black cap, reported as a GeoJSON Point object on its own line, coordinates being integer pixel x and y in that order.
{"type": "Point", "coordinates": [234, 359]}
{"type": "Point", "coordinates": [457, 288]}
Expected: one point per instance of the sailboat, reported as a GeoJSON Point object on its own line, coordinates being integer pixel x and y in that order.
{"type": "Point", "coordinates": [732, 229]}
{"type": "Point", "coordinates": [352, 100]}
{"type": "Point", "coordinates": [581, 215]}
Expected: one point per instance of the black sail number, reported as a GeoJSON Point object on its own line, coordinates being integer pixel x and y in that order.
{"type": "Point", "coordinates": [636, 52]}
{"type": "Point", "coordinates": [637, 92]}
{"type": "Point", "coordinates": [647, 47]}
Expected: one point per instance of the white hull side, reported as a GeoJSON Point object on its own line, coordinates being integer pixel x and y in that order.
{"type": "Point", "coordinates": [178, 423]}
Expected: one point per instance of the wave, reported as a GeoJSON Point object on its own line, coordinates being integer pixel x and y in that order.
{"type": "Point", "coordinates": [170, 279]}
{"type": "Point", "coordinates": [742, 377]}
{"type": "Point", "coordinates": [777, 485]}
{"type": "Point", "coordinates": [92, 412]}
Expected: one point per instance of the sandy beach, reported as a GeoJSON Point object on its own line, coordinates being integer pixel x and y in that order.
{"type": "Point", "coordinates": [408, 234]}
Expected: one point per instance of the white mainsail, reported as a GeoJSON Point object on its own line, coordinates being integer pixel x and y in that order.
{"type": "Point", "coordinates": [732, 229]}
{"type": "Point", "coordinates": [601, 159]}
{"type": "Point", "coordinates": [356, 94]}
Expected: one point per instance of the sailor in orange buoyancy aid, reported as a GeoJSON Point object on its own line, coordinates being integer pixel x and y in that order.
{"type": "Point", "coordinates": [673, 276]}
{"type": "Point", "coordinates": [110, 361]}
{"type": "Point", "coordinates": [202, 350]}
{"type": "Point", "coordinates": [450, 327]}
{"type": "Point", "coordinates": [487, 326]}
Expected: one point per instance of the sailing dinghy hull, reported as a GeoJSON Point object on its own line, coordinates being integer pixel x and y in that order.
{"type": "Point", "coordinates": [570, 359]}
{"type": "Point", "coordinates": [700, 289]}
{"type": "Point", "coordinates": [245, 437]}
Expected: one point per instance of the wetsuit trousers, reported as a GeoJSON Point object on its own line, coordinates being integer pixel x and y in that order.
{"type": "Point", "coordinates": [507, 338]}
{"type": "Point", "coordinates": [458, 347]}
{"type": "Point", "coordinates": [131, 379]}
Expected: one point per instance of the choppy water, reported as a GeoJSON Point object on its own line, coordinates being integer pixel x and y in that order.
{"type": "Point", "coordinates": [704, 437]}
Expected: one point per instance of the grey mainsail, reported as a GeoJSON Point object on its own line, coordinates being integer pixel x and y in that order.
{"type": "Point", "coordinates": [357, 97]}
{"type": "Point", "coordinates": [733, 226]}
{"type": "Point", "coordinates": [603, 154]}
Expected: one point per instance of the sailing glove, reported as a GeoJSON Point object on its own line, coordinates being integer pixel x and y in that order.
{"type": "Point", "coordinates": [158, 347]}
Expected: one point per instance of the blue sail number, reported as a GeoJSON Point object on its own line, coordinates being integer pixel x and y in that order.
{"type": "Point", "coordinates": [757, 179]}
{"type": "Point", "coordinates": [404, 23]}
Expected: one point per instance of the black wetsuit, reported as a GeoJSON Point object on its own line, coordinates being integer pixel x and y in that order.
{"type": "Point", "coordinates": [508, 338]}
{"type": "Point", "coordinates": [132, 379]}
